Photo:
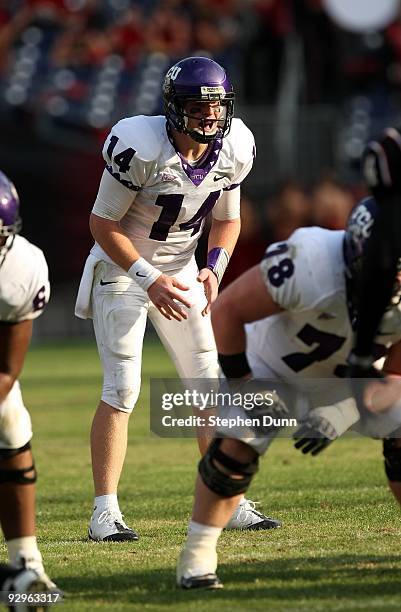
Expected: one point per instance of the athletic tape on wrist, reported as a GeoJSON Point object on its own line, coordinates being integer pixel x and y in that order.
{"type": "Point", "coordinates": [143, 273]}
{"type": "Point", "coordinates": [217, 262]}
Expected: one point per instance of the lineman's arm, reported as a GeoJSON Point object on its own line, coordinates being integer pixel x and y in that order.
{"type": "Point", "coordinates": [14, 340]}
{"type": "Point", "coordinates": [245, 300]}
{"type": "Point", "coordinates": [223, 235]}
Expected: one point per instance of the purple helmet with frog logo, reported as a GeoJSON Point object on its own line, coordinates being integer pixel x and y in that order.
{"type": "Point", "coordinates": [10, 221]}
{"type": "Point", "coordinates": [197, 79]}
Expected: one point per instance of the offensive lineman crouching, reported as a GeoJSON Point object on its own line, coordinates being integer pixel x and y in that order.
{"type": "Point", "coordinates": [295, 320]}
{"type": "Point", "coordinates": [24, 292]}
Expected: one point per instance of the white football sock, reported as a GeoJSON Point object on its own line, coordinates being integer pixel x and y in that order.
{"type": "Point", "coordinates": [106, 502]}
{"type": "Point", "coordinates": [199, 556]}
{"type": "Point", "coordinates": [25, 548]}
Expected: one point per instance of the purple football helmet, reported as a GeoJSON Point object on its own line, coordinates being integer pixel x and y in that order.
{"type": "Point", "coordinates": [10, 221]}
{"type": "Point", "coordinates": [203, 80]}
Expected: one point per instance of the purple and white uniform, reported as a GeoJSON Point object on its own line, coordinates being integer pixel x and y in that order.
{"type": "Point", "coordinates": [161, 202]}
{"type": "Point", "coordinates": [24, 292]}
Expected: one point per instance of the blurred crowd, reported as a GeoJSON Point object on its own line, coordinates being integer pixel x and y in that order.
{"type": "Point", "coordinates": [90, 62]}
{"type": "Point", "coordinates": [248, 36]}
{"type": "Point", "coordinates": [327, 204]}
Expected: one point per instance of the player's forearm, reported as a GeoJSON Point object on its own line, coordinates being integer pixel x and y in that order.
{"type": "Point", "coordinates": [224, 234]}
{"type": "Point", "coordinates": [228, 327]}
{"type": "Point", "coordinates": [109, 235]}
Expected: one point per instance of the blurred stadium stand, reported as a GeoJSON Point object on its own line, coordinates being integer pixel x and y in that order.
{"type": "Point", "coordinates": [311, 92]}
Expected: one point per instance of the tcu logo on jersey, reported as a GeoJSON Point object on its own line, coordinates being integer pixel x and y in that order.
{"type": "Point", "coordinates": [173, 72]}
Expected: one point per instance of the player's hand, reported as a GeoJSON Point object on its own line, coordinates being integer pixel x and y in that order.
{"type": "Point", "coordinates": [165, 297]}
{"type": "Point", "coordinates": [314, 435]}
{"type": "Point", "coordinates": [382, 162]}
{"type": "Point", "coordinates": [360, 372]}
{"type": "Point", "coordinates": [383, 395]}
{"type": "Point", "coordinates": [211, 287]}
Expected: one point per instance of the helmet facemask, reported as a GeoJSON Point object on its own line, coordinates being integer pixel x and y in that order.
{"type": "Point", "coordinates": [197, 80]}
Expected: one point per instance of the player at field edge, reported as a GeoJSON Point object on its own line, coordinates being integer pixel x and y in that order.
{"type": "Point", "coordinates": [24, 292]}
{"type": "Point", "coordinates": [163, 176]}
{"type": "Point", "coordinates": [292, 319]}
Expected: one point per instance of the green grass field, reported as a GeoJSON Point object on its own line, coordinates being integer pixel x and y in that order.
{"type": "Point", "coordinates": [339, 548]}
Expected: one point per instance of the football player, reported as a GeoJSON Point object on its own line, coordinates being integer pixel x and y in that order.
{"type": "Point", "coordinates": [290, 319]}
{"type": "Point", "coordinates": [381, 166]}
{"type": "Point", "coordinates": [163, 176]}
{"type": "Point", "coordinates": [24, 292]}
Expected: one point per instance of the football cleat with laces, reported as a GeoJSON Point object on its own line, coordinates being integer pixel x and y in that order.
{"type": "Point", "coordinates": [109, 526]}
{"type": "Point", "coordinates": [246, 517]}
{"type": "Point", "coordinates": [207, 581]}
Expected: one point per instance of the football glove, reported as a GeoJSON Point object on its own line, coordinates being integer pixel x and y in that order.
{"type": "Point", "coordinates": [325, 424]}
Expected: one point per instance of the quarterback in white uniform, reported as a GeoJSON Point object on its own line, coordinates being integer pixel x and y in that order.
{"type": "Point", "coordinates": [291, 320]}
{"type": "Point", "coordinates": [163, 176]}
{"type": "Point", "coordinates": [24, 292]}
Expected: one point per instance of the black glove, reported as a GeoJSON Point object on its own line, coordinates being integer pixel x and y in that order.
{"type": "Point", "coordinates": [382, 163]}
{"type": "Point", "coordinates": [314, 435]}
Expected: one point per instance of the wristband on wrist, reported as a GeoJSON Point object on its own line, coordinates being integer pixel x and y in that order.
{"type": "Point", "coordinates": [217, 262]}
{"type": "Point", "coordinates": [234, 366]}
{"type": "Point", "coordinates": [143, 273]}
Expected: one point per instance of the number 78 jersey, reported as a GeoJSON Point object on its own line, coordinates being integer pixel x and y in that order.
{"type": "Point", "coordinates": [171, 198]}
{"type": "Point", "coordinates": [313, 335]}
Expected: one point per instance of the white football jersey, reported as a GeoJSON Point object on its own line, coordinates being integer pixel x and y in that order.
{"type": "Point", "coordinates": [24, 282]}
{"type": "Point", "coordinates": [170, 197]}
{"type": "Point", "coordinates": [313, 337]}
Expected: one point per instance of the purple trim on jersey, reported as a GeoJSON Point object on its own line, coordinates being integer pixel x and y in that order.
{"type": "Point", "coordinates": [230, 187]}
{"type": "Point", "coordinates": [198, 173]}
{"type": "Point", "coordinates": [124, 182]}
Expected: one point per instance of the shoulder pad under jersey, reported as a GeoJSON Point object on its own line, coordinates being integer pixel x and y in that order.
{"type": "Point", "coordinates": [305, 271]}
{"type": "Point", "coordinates": [143, 134]}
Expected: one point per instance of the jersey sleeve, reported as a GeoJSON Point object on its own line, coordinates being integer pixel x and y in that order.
{"type": "Point", "coordinates": [227, 206]}
{"type": "Point", "coordinates": [122, 161]}
{"type": "Point", "coordinates": [244, 151]}
{"type": "Point", "coordinates": [33, 292]}
{"type": "Point", "coordinates": [297, 272]}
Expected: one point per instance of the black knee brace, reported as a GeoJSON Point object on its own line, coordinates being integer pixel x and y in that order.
{"type": "Point", "coordinates": [17, 476]}
{"type": "Point", "coordinates": [392, 459]}
{"type": "Point", "coordinates": [219, 482]}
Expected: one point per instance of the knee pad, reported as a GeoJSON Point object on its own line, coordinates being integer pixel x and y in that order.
{"type": "Point", "coordinates": [392, 459]}
{"type": "Point", "coordinates": [217, 481]}
{"type": "Point", "coordinates": [17, 476]}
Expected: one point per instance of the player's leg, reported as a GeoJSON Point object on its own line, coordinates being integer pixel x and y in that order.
{"type": "Point", "coordinates": [119, 318]}
{"type": "Point", "coordinates": [190, 343]}
{"type": "Point", "coordinates": [17, 492]}
{"type": "Point", "coordinates": [225, 473]}
{"type": "Point", "coordinates": [392, 464]}
{"type": "Point", "coordinates": [191, 346]}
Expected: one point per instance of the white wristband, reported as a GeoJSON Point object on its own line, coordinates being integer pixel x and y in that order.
{"type": "Point", "coordinates": [143, 273]}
